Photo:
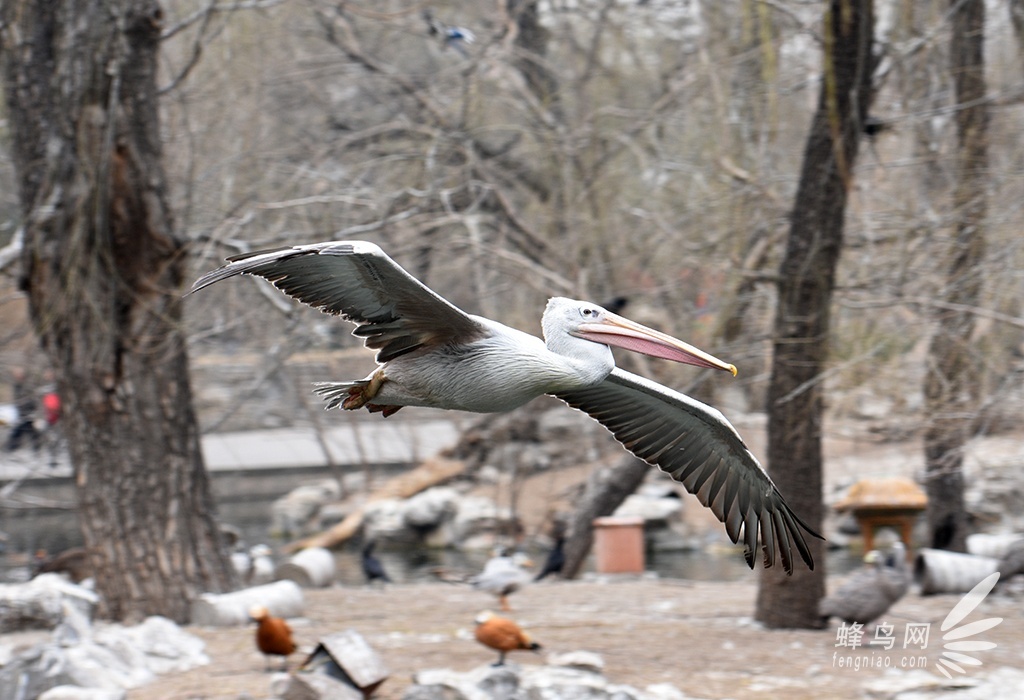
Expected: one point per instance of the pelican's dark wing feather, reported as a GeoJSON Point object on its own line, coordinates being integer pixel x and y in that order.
{"type": "Point", "coordinates": [699, 448]}
{"type": "Point", "coordinates": [394, 312]}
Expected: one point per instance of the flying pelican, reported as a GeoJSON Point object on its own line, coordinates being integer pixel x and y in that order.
{"type": "Point", "coordinates": [430, 353]}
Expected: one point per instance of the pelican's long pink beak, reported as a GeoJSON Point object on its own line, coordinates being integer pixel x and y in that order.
{"type": "Point", "coordinates": [620, 332]}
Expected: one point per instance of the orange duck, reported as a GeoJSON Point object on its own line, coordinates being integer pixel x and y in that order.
{"type": "Point", "coordinates": [273, 636]}
{"type": "Point", "coordinates": [502, 635]}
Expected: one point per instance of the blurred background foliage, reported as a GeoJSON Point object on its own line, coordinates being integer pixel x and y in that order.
{"type": "Point", "coordinates": [596, 149]}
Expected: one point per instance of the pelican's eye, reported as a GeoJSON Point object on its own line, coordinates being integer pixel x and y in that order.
{"type": "Point", "coordinates": [587, 312]}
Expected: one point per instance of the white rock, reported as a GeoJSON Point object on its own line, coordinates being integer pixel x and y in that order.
{"type": "Point", "coordinates": [384, 520]}
{"type": "Point", "coordinates": [997, 684]}
{"type": "Point", "coordinates": [75, 692]}
{"type": "Point", "coordinates": [664, 691]}
{"type": "Point", "coordinates": [164, 647]}
{"type": "Point", "coordinates": [476, 518]}
{"type": "Point", "coordinates": [294, 511]}
{"type": "Point", "coordinates": [530, 681]}
{"type": "Point", "coordinates": [94, 666]}
{"type": "Point", "coordinates": [650, 509]}
{"type": "Point", "coordinates": [41, 602]}
{"type": "Point", "coordinates": [582, 660]}
{"type": "Point", "coordinates": [430, 508]}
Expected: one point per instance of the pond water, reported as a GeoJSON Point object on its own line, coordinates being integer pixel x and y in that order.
{"type": "Point", "coordinates": [55, 530]}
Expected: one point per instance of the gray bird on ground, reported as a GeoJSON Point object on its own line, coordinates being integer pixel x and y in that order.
{"type": "Point", "coordinates": [503, 575]}
{"type": "Point", "coordinates": [871, 590]}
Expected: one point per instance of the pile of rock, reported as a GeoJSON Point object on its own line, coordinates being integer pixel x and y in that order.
{"type": "Point", "coordinates": [577, 675]}
{"type": "Point", "coordinates": [81, 661]}
{"type": "Point", "coordinates": [438, 517]}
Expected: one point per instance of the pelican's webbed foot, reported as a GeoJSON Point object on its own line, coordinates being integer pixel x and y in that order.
{"type": "Point", "coordinates": [360, 395]}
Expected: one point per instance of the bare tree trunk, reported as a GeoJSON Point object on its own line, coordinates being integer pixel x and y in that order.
{"type": "Point", "coordinates": [1017, 20]}
{"type": "Point", "coordinates": [531, 42]}
{"type": "Point", "coordinates": [103, 272]}
{"type": "Point", "coordinates": [606, 489]}
{"type": "Point", "coordinates": [952, 374]}
{"type": "Point", "coordinates": [806, 282]}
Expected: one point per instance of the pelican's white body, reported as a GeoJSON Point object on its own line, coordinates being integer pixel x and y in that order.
{"type": "Point", "coordinates": [500, 372]}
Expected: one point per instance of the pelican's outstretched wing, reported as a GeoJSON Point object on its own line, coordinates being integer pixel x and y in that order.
{"type": "Point", "coordinates": [699, 448]}
{"type": "Point", "coordinates": [393, 311]}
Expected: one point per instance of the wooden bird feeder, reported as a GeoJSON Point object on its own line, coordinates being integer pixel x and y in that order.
{"type": "Point", "coordinates": [890, 502]}
{"type": "Point", "coordinates": [347, 657]}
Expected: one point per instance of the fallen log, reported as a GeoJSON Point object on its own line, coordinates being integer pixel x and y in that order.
{"type": "Point", "coordinates": [939, 571]}
{"type": "Point", "coordinates": [281, 598]}
{"type": "Point", "coordinates": [313, 567]}
{"type": "Point", "coordinates": [432, 472]}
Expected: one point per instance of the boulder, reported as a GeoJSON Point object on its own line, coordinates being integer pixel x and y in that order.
{"type": "Point", "coordinates": [75, 692]}
{"type": "Point", "coordinates": [384, 522]}
{"type": "Point", "coordinates": [655, 510]}
{"type": "Point", "coordinates": [438, 517]}
{"type": "Point", "coordinates": [40, 602]}
{"type": "Point", "coordinates": [111, 658]}
{"type": "Point", "coordinates": [296, 511]}
{"type": "Point", "coordinates": [582, 660]}
{"type": "Point", "coordinates": [476, 522]}
{"type": "Point", "coordinates": [428, 509]}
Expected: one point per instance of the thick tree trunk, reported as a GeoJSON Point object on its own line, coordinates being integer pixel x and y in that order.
{"type": "Point", "coordinates": [104, 272]}
{"type": "Point", "coordinates": [605, 490]}
{"type": "Point", "coordinates": [951, 375]}
{"type": "Point", "coordinates": [806, 281]}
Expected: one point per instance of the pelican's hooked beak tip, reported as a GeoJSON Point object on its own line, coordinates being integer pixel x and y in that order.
{"type": "Point", "coordinates": [732, 368]}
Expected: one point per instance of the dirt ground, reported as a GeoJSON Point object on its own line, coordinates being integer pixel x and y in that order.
{"type": "Point", "coordinates": [698, 637]}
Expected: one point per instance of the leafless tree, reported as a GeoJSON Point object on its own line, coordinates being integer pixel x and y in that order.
{"type": "Point", "coordinates": [103, 270]}
{"type": "Point", "coordinates": [952, 373]}
{"type": "Point", "coordinates": [591, 149]}
{"type": "Point", "coordinates": [807, 279]}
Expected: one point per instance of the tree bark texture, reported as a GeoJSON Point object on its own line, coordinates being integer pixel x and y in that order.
{"type": "Point", "coordinates": [605, 491]}
{"type": "Point", "coordinates": [952, 372]}
{"type": "Point", "coordinates": [103, 272]}
{"type": "Point", "coordinates": [806, 282]}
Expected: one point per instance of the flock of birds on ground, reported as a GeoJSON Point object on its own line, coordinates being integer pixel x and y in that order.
{"type": "Point", "coordinates": [865, 595]}
{"type": "Point", "coordinates": [502, 575]}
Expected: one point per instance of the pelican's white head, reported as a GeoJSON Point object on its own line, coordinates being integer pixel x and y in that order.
{"type": "Point", "coordinates": [566, 321]}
